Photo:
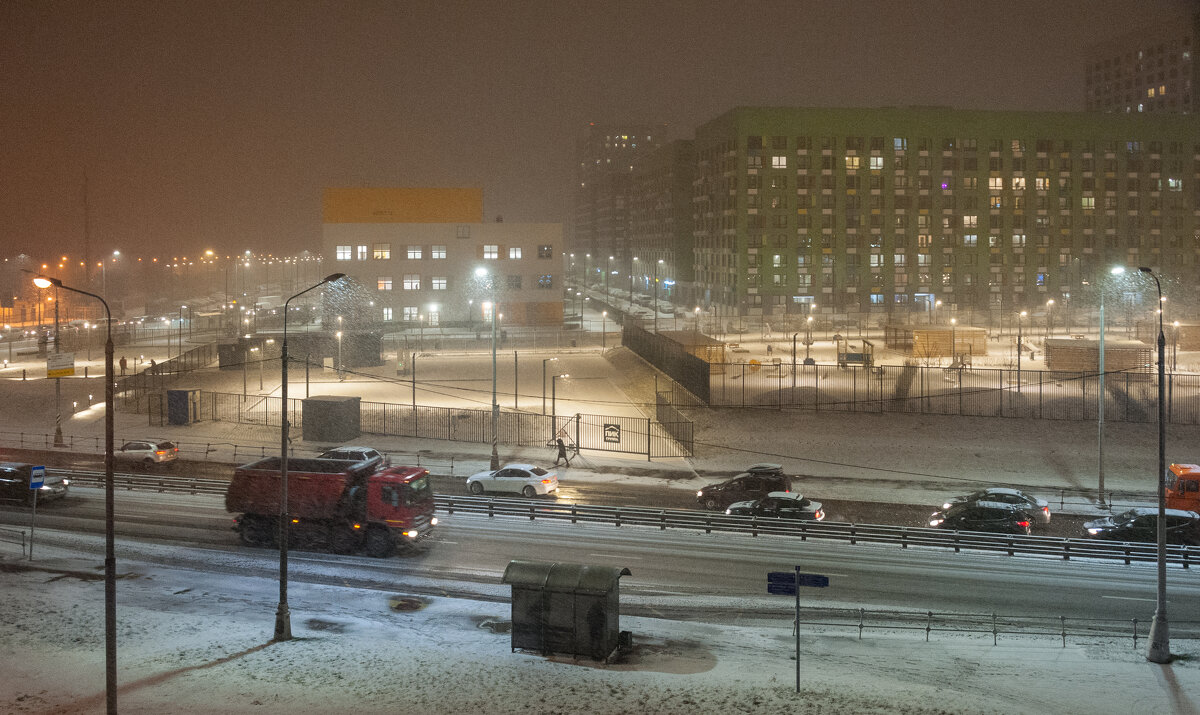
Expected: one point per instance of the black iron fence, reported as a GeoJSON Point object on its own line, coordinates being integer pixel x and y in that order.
{"type": "Point", "coordinates": [628, 435]}
{"type": "Point", "coordinates": [977, 392]}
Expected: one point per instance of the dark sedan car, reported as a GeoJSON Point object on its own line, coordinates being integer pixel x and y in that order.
{"type": "Point", "coordinates": [994, 517]}
{"type": "Point", "coordinates": [1141, 524]}
{"type": "Point", "coordinates": [1036, 507]}
{"type": "Point", "coordinates": [14, 484]}
{"type": "Point", "coordinates": [782, 505]}
{"type": "Point", "coordinates": [756, 482]}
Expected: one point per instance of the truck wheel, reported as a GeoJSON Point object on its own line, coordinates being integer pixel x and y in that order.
{"type": "Point", "coordinates": [529, 492]}
{"type": "Point", "coordinates": [343, 540]}
{"type": "Point", "coordinates": [256, 531]}
{"type": "Point", "coordinates": [379, 543]}
{"type": "Point", "coordinates": [476, 488]}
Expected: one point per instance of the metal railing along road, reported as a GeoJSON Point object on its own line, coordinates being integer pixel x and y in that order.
{"type": "Point", "coordinates": [709, 522]}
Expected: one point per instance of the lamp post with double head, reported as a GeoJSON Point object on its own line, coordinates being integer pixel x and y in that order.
{"type": "Point", "coordinates": [554, 399]}
{"type": "Point", "coordinates": [283, 618]}
{"type": "Point", "coordinates": [544, 361]}
{"type": "Point", "coordinates": [1159, 647]}
{"type": "Point", "coordinates": [110, 559]}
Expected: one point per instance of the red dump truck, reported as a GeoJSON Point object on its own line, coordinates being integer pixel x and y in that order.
{"type": "Point", "coordinates": [334, 504]}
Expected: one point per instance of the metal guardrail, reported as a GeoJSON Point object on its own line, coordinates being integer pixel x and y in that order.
{"type": "Point", "coordinates": [904, 536]}
{"type": "Point", "coordinates": [708, 522]}
{"type": "Point", "coordinates": [15, 536]}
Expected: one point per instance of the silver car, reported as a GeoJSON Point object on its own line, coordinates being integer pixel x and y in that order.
{"type": "Point", "coordinates": [147, 451]}
{"type": "Point", "coordinates": [524, 479]}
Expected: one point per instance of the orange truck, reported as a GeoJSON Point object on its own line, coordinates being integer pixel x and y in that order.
{"type": "Point", "coordinates": [1183, 487]}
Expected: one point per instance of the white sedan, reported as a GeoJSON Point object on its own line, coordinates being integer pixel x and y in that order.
{"type": "Point", "coordinates": [524, 479]}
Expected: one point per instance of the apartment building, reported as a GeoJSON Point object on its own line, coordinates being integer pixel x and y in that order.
{"type": "Point", "coordinates": [1148, 70]}
{"type": "Point", "coordinates": [418, 254]}
{"type": "Point", "coordinates": [892, 209]}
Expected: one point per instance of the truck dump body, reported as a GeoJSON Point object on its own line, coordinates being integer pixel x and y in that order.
{"type": "Point", "coordinates": [315, 486]}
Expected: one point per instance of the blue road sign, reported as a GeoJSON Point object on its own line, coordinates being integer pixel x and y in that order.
{"type": "Point", "coordinates": [37, 477]}
{"type": "Point", "coordinates": [811, 579]}
{"type": "Point", "coordinates": [781, 577]}
{"type": "Point", "coordinates": [782, 589]}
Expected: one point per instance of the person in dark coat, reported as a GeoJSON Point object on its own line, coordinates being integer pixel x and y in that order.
{"type": "Point", "coordinates": [562, 452]}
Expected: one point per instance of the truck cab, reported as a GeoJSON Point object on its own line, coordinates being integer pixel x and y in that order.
{"type": "Point", "coordinates": [402, 498]}
{"type": "Point", "coordinates": [1183, 487]}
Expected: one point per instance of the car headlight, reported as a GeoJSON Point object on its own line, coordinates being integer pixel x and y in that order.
{"type": "Point", "coordinates": [433, 521]}
{"type": "Point", "coordinates": [699, 494]}
{"type": "Point", "coordinates": [412, 533]}
{"type": "Point", "coordinates": [729, 512]}
{"type": "Point", "coordinates": [935, 522]}
{"type": "Point", "coordinates": [1093, 532]}
{"type": "Point", "coordinates": [947, 505]}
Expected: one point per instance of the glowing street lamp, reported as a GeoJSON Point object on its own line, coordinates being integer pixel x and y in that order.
{"type": "Point", "coordinates": [110, 559]}
{"type": "Point", "coordinates": [1159, 647]}
{"type": "Point", "coordinates": [482, 273]}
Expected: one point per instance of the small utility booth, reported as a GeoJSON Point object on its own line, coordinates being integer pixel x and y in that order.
{"type": "Point", "coordinates": [566, 608]}
{"type": "Point", "coordinates": [183, 407]}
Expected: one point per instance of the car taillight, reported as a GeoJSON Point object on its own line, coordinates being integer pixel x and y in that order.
{"type": "Point", "coordinates": [357, 526]}
{"type": "Point", "coordinates": [545, 481]}
{"type": "Point", "coordinates": [160, 452]}
{"type": "Point", "coordinates": [1046, 509]}
{"type": "Point", "coordinates": [1023, 524]}
{"type": "Point", "coordinates": [820, 514]}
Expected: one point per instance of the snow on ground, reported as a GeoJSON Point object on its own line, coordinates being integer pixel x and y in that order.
{"type": "Point", "coordinates": [199, 642]}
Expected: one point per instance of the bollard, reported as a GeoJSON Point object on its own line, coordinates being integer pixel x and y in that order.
{"type": "Point", "coordinates": [1064, 630]}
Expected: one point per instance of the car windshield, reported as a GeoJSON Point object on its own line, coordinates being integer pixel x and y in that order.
{"type": "Point", "coordinates": [417, 491]}
{"type": "Point", "coordinates": [538, 471]}
{"type": "Point", "coordinates": [166, 445]}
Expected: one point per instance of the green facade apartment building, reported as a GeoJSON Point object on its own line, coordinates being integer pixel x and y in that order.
{"type": "Point", "coordinates": [890, 210]}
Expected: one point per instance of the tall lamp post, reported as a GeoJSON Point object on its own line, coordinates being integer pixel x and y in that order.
{"type": "Point", "coordinates": [1116, 271]}
{"type": "Point", "coordinates": [482, 272]}
{"type": "Point", "coordinates": [110, 559]}
{"type": "Point", "coordinates": [180, 346]}
{"type": "Point", "coordinates": [1020, 347]}
{"type": "Point", "coordinates": [1049, 316]}
{"type": "Point", "coordinates": [283, 617]}
{"type": "Point", "coordinates": [658, 263]}
{"type": "Point", "coordinates": [953, 342]}
{"type": "Point", "coordinates": [1159, 647]}
{"type": "Point", "coordinates": [607, 273]}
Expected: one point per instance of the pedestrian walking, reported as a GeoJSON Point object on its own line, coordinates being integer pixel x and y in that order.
{"type": "Point", "coordinates": [124, 364]}
{"type": "Point", "coordinates": [562, 452]}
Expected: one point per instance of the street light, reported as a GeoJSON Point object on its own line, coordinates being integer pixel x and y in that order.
{"type": "Point", "coordinates": [1174, 346]}
{"type": "Point", "coordinates": [554, 398]}
{"type": "Point", "coordinates": [482, 272]}
{"type": "Point", "coordinates": [656, 265]}
{"type": "Point", "coordinates": [544, 361]}
{"type": "Point", "coordinates": [1020, 322]}
{"type": "Point", "coordinates": [180, 331]}
{"type": "Point", "coordinates": [1049, 315]}
{"type": "Point", "coordinates": [607, 273]}
{"type": "Point", "coordinates": [338, 334]}
{"type": "Point", "coordinates": [283, 618]}
{"type": "Point", "coordinates": [1159, 647]}
{"type": "Point", "coordinates": [808, 342]}
{"type": "Point", "coordinates": [953, 342]}
{"type": "Point", "coordinates": [933, 313]}
{"type": "Point", "coordinates": [110, 559]}
{"type": "Point", "coordinates": [1116, 271]}
{"type": "Point", "coordinates": [604, 329]}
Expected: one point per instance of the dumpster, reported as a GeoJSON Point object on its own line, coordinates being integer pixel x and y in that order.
{"type": "Point", "coordinates": [567, 608]}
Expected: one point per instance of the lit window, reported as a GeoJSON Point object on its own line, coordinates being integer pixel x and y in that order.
{"type": "Point", "coordinates": [412, 281]}
{"type": "Point", "coordinates": [1041, 183]}
{"type": "Point", "coordinates": [877, 163]}
{"type": "Point", "coordinates": [1089, 202]}
{"type": "Point", "coordinates": [491, 252]}
{"type": "Point", "coordinates": [545, 281]}
{"type": "Point", "coordinates": [1018, 240]}
{"type": "Point", "coordinates": [779, 162]}
{"type": "Point", "coordinates": [514, 253]}
{"type": "Point", "coordinates": [438, 283]}
{"type": "Point", "coordinates": [899, 143]}
{"type": "Point", "coordinates": [970, 240]}
{"type": "Point", "coordinates": [387, 313]}
{"type": "Point", "coordinates": [414, 253]}
{"type": "Point", "coordinates": [545, 252]}
{"type": "Point", "coordinates": [362, 253]}
{"type": "Point", "coordinates": [996, 183]}
{"type": "Point", "coordinates": [970, 221]}
{"type": "Point", "coordinates": [851, 162]}
{"type": "Point", "coordinates": [384, 283]}
{"type": "Point", "coordinates": [381, 251]}
{"type": "Point", "coordinates": [1150, 92]}
{"type": "Point", "coordinates": [437, 252]}
{"type": "Point", "coordinates": [343, 253]}
{"type": "Point", "coordinates": [777, 261]}
{"type": "Point", "coordinates": [1018, 183]}
{"type": "Point", "coordinates": [410, 312]}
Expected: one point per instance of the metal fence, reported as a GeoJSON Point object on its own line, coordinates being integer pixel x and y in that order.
{"type": "Point", "coordinates": [143, 391]}
{"type": "Point", "coordinates": [629, 435]}
{"type": "Point", "coordinates": [976, 392]}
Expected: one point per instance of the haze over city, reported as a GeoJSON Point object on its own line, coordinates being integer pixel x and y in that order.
{"type": "Point", "coordinates": [216, 125]}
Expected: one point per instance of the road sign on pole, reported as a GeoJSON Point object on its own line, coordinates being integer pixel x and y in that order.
{"type": "Point", "coordinates": [788, 583]}
{"type": "Point", "coordinates": [37, 477]}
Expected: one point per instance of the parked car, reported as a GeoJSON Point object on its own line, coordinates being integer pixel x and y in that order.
{"type": "Point", "coordinates": [147, 451]}
{"type": "Point", "coordinates": [995, 517]}
{"type": "Point", "coordinates": [357, 454]}
{"type": "Point", "coordinates": [1141, 524]}
{"type": "Point", "coordinates": [756, 482]}
{"type": "Point", "coordinates": [525, 479]}
{"type": "Point", "coordinates": [1031, 505]}
{"type": "Point", "coordinates": [14, 484]}
{"type": "Point", "coordinates": [783, 505]}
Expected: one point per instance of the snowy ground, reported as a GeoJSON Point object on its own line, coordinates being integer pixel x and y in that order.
{"type": "Point", "coordinates": [199, 643]}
